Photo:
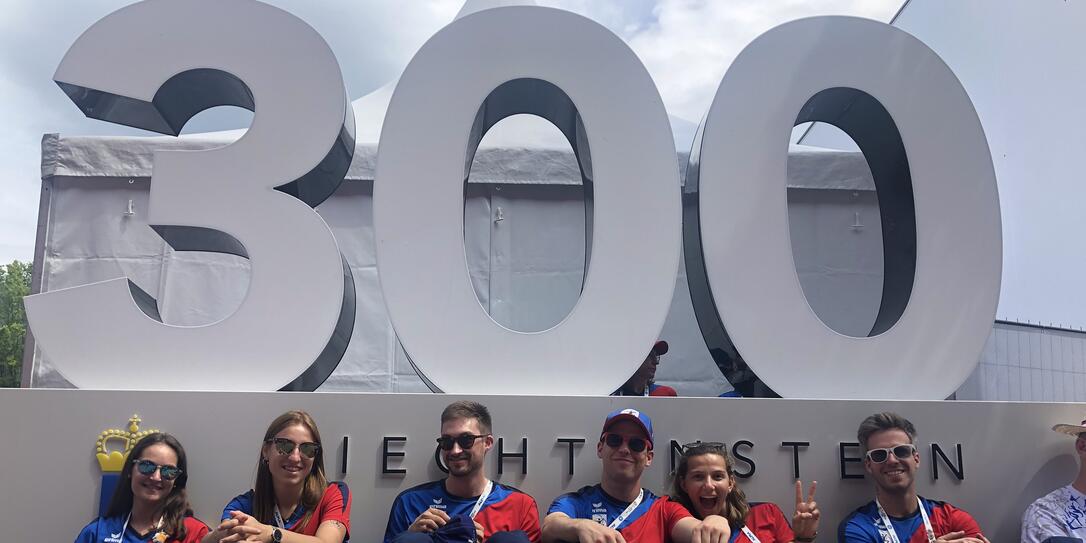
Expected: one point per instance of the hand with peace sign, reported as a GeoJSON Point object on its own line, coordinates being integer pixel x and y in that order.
{"type": "Point", "coordinates": [805, 519]}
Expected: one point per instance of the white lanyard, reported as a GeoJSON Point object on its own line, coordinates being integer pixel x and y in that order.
{"type": "Point", "coordinates": [887, 529]}
{"type": "Point", "coordinates": [750, 535]}
{"type": "Point", "coordinates": [124, 528]}
{"type": "Point", "coordinates": [279, 518]}
{"type": "Point", "coordinates": [629, 510]}
{"type": "Point", "coordinates": [482, 498]}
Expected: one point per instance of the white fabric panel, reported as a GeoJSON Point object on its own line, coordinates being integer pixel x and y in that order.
{"type": "Point", "coordinates": [838, 258]}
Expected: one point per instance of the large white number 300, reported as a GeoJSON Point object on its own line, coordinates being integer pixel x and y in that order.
{"type": "Point", "coordinates": [154, 65]}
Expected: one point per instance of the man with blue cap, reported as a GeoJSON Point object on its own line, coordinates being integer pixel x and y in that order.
{"type": "Point", "coordinates": [618, 509]}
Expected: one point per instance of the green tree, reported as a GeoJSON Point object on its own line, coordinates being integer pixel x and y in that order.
{"type": "Point", "coordinates": [14, 284]}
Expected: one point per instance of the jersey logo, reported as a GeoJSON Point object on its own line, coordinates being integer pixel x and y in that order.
{"type": "Point", "coordinates": [600, 518]}
{"type": "Point", "coordinates": [633, 412]}
{"type": "Point", "coordinates": [113, 538]}
{"type": "Point", "coordinates": [438, 501]}
{"type": "Point", "coordinates": [597, 504]}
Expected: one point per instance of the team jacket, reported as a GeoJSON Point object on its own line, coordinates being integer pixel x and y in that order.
{"type": "Point", "coordinates": [862, 526]}
{"type": "Point", "coordinates": [108, 530]}
{"type": "Point", "coordinates": [505, 509]}
{"type": "Point", "coordinates": [335, 505]}
{"type": "Point", "coordinates": [651, 522]}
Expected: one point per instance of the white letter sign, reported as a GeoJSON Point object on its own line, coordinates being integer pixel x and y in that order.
{"type": "Point", "coordinates": [913, 120]}
{"type": "Point", "coordinates": [584, 79]}
{"type": "Point", "coordinates": [154, 65]}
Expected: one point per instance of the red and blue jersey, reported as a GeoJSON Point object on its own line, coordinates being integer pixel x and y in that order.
{"type": "Point", "coordinates": [768, 524]}
{"type": "Point", "coordinates": [862, 526]}
{"type": "Point", "coordinates": [112, 530]}
{"type": "Point", "coordinates": [335, 504]}
{"type": "Point", "coordinates": [505, 509]}
{"type": "Point", "coordinates": [651, 522]}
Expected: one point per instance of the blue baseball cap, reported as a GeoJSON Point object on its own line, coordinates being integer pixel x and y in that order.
{"type": "Point", "coordinates": [633, 415]}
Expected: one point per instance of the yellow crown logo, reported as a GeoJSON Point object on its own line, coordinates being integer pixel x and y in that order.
{"type": "Point", "coordinates": [114, 444]}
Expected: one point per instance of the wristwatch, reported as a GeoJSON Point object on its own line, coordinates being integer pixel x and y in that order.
{"type": "Point", "coordinates": [277, 535]}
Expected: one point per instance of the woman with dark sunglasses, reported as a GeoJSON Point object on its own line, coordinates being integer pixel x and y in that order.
{"type": "Point", "coordinates": [704, 482]}
{"type": "Point", "coordinates": [292, 501]}
{"type": "Point", "coordinates": [149, 503]}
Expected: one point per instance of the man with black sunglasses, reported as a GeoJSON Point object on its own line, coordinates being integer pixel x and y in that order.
{"type": "Point", "coordinates": [618, 509]}
{"type": "Point", "coordinates": [898, 514]}
{"type": "Point", "coordinates": [465, 499]}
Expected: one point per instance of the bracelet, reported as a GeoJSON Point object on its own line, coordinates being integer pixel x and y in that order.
{"type": "Point", "coordinates": [807, 539]}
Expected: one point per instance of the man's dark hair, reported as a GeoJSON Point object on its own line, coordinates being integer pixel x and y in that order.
{"type": "Point", "coordinates": [468, 410]}
{"type": "Point", "coordinates": [884, 421]}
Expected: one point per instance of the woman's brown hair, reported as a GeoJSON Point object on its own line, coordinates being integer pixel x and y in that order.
{"type": "Point", "coordinates": [175, 506]}
{"type": "Point", "coordinates": [315, 481]}
{"type": "Point", "coordinates": [735, 505]}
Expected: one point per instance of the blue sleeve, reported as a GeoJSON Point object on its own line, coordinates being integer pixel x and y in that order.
{"type": "Point", "coordinates": [851, 531]}
{"type": "Point", "coordinates": [398, 520]}
{"type": "Point", "coordinates": [89, 533]}
{"type": "Point", "coordinates": [243, 503]}
{"type": "Point", "coordinates": [567, 504]}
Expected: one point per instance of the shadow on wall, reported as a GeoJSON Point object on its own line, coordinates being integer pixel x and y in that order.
{"type": "Point", "coordinates": [1060, 468]}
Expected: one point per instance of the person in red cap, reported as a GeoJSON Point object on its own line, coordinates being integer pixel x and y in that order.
{"type": "Point", "coordinates": [641, 383]}
{"type": "Point", "coordinates": [618, 509]}
{"type": "Point", "coordinates": [1062, 512]}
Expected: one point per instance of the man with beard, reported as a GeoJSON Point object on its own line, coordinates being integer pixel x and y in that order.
{"type": "Point", "coordinates": [641, 383]}
{"type": "Point", "coordinates": [618, 509]}
{"type": "Point", "coordinates": [499, 512]}
{"type": "Point", "coordinates": [898, 514]}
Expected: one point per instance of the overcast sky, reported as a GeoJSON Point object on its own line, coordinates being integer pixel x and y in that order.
{"type": "Point", "coordinates": [686, 45]}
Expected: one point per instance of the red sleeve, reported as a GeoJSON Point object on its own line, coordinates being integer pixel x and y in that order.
{"type": "Point", "coordinates": [335, 505]}
{"type": "Point", "coordinates": [767, 522]}
{"type": "Point", "coordinates": [194, 530]}
{"type": "Point", "coordinates": [959, 521]}
{"type": "Point", "coordinates": [673, 513]}
{"type": "Point", "coordinates": [530, 523]}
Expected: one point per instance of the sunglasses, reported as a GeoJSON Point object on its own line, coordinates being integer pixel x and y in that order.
{"type": "Point", "coordinates": [285, 447]}
{"type": "Point", "coordinates": [465, 441]}
{"type": "Point", "coordinates": [148, 468]}
{"type": "Point", "coordinates": [702, 444]}
{"type": "Point", "coordinates": [902, 452]}
{"type": "Point", "coordinates": [615, 441]}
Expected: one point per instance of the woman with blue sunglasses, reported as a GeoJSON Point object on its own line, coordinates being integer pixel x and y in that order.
{"type": "Point", "coordinates": [292, 501]}
{"type": "Point", "coordinates": [150, 503]}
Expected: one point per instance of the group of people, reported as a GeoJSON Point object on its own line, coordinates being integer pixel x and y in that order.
{"type": "Point", "coordinates": [292, 501]}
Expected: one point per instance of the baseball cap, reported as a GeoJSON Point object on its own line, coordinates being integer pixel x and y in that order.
{"type": "Point", "coordinates": [659, 348]}
{"type": "Point", "coordinates": [633, 415]}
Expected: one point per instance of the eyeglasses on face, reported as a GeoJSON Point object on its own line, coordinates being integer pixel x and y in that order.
{"type": "Point", "coordinates": [148, 468]}
{"type": "Point", "coordinates": [285, 447]}
{"type": "Point", "coordinates": [701, 444]}
{"type": "Point", "coordinates": [615, 441]}
{"type": "Point", "coordinates": [465, 441]}
{"type": "Point", "coordinates": [902, 452]}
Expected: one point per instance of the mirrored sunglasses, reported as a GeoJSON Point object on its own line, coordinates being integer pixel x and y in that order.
{"type": "Point", "coordinates": [902, 452]}
{"type": "Point", "coordinates": [465, 441]}
{"type": "Point", "coordinates": [285, 447]}
{"type": "Point", "coordinates": [615, 441]}
{"type": "Point", "coordinates": [148, 468]}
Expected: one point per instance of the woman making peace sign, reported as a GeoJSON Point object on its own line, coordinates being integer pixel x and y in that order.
{"type": "Point", "coordinates": [704, 483]}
